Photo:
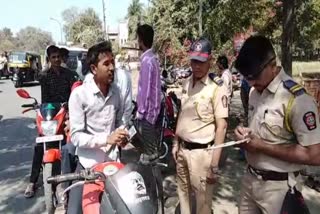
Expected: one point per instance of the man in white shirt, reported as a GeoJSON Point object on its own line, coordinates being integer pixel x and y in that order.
{"type": "Point", "coordinates": [95, 110]}
{"type": "Point", "coordinates": [3, 61]}
{"type": "Point", "coordinates": [122, 80]}
{"type": "Point", "coordinates": [225, 74]}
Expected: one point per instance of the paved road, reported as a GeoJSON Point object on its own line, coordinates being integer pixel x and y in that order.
{"type": "Point", "coordinates": [17, 134]}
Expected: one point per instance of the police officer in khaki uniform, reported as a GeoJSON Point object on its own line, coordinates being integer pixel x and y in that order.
{"type": "Point", "coordinates": [201, 122]}
{"type": "Point", "coordinates": [283, 132]}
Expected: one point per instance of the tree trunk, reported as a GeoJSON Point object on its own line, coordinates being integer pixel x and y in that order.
{"type": "Point", "coordinates": [287, 35]}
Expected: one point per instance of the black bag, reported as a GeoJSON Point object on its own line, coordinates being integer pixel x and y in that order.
{"type": "Point", "coordinates": [294, 203]}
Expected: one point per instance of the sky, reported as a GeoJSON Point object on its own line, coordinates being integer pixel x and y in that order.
{"type": "Point", "coordinates": [17, 14]}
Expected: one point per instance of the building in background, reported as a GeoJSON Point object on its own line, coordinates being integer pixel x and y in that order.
{"type": "Point", "coordinates": [119, 34]}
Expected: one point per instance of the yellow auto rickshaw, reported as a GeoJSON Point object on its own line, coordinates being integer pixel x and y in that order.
{"type": "Point", "coordinates": [25, 67]}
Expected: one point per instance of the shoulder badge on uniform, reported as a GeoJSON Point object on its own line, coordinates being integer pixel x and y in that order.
{"type": "Point", "coordinates": [294, 87]}
{"type": "Point", "coordinates": [215, 79]}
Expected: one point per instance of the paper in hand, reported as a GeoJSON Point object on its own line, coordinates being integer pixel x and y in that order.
{"type": "Point", "coordinates": [132, 131]}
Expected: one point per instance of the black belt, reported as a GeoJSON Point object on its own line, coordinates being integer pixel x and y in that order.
{"type": "Point", "coordinates": [270, 175]}
{"type": "Point", "coordinates": [193, 145]}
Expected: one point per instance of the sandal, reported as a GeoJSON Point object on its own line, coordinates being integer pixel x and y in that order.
{"type": "Point", "coordinates": [30, 191]}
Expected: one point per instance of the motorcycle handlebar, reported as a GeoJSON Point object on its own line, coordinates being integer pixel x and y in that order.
{"type": "Point", "coordinates": [27, 105]}
{"type": "Point", "coordinates": [82, 175]}
{"type": "Point", "coordinates": [64, 178]}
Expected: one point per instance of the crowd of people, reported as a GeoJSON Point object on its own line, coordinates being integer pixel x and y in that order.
{"type": "Point", "coordinates": [282, 132]}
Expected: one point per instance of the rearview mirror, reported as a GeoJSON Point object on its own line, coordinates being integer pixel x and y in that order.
{"type": "Point", "coordinates": [23, 93]}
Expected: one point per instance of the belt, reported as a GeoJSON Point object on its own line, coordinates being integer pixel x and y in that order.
{"type": "Point", "coordinates": [193, 145]}
{"type": "Point", "coordinates": [270, 175]}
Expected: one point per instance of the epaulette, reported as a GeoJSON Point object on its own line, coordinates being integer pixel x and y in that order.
{"type": "Point", "coordinates": [294, 87]}
{"type": "Point", "coordinates": [215, 79]}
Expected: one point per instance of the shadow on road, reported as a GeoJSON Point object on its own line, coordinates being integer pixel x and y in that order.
{"type": "Point", "coordinates": [31, 84]}
{"type": "Point", "coordinates": [17, 137]}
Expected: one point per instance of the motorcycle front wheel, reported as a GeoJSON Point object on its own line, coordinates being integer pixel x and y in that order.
{"type": "Point", "coordinates": [48, 188]}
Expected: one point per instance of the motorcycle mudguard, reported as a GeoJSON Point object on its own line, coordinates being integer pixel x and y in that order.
{"type": "Point", "coordinates": [51, 155]}
{"type": "Point", "coordinates": [132, 190]}
{"type": "Point", "coordinates": [92, 191]}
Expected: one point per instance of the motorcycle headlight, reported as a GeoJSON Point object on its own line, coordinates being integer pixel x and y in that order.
{"type": "Point", "coordinates": [49, 128]}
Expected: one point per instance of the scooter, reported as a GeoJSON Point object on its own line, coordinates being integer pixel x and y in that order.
{"type": "Point", "coordinates": [50, 123]}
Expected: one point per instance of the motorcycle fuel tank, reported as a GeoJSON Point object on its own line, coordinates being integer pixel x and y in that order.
{"type": "Point", "coordinates": [132, 190]}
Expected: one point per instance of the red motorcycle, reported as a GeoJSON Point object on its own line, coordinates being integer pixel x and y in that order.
{"type": "Point", "coordinates": [50, 124]}
{"type": "Point", "coordinates": [112, 187]}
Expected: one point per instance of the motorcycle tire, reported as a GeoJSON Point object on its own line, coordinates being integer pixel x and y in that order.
{"type": "Point", "coordinates": [48, 189]}
{"type": "Point", "coordinates": [17, 84]}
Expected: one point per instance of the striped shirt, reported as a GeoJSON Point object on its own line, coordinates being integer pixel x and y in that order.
{"type": "Point", "coordinates": [149, 88]}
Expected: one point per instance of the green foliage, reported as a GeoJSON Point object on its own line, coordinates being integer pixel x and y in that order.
{"type": "Point", "coordinates": [27, 39]}
{"type": "Point", "coordinates": [177, 20]}
{"type": "Point", "coordinates": [33, 39]}
{"type": "Point", "coordinates": [307, 29]}
{"type": "Point", "coordinates": [82, 27]}
{"type": "Point", "coordinates": [134, 16]}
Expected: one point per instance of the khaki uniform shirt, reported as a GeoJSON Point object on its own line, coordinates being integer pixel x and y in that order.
{"type": "Point", "coordinates": [266, 119]}
{"type": "Point", "coordinates": [199, 109]}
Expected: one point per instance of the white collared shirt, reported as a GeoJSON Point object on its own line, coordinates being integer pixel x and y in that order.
{"type": "Point", "coordinates": [122, 79]}
{"type": "Point", "coordinates": [93, 117]}
{"type": "Point", "coordinates": [227, 81]}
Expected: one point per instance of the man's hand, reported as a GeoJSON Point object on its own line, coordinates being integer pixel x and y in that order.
{"type": "Point", "coordinates": [212, 175]}
{"type": "Point", "coordinates": [119, 137]}
{"type": "Point", "coordinates": [175, 149]}
{"type": "Point", "coordinates": [242, 132]}
{"type": "Point", "coordinates": [67, 126]}
{"type": "Point", "coordinates": [254, 142]}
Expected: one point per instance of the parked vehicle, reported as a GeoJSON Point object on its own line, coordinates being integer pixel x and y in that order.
{"type": "Point", "coordinates": [50, 124]}
{"type": "Point", "coordinates": [25, 67]}
{"type": "Point", "coordinates": [173, 75]}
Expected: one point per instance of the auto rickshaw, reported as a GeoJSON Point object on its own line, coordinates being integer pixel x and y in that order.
{"type": "Point", "coordinates": [25, 67]}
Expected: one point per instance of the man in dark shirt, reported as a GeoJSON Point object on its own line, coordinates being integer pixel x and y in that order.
{"type": "Point", "coordinates": [56, 83]}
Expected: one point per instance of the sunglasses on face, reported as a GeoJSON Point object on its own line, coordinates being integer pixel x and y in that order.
{"type": "Point", "coordinates": [257, 75]}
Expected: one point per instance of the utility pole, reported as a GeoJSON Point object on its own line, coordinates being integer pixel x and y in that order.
{"type": "Point", "coordinates": [200, 17]}
{"type": "Point", "coordinates": [56, 20]}
{"type": "Point", "coordinates": [105, 35]}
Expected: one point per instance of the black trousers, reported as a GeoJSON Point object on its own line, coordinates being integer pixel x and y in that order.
{"type": "Point", "coordinates": [148, 136]}
{"type": "Point", "coordinates": [75, 196]}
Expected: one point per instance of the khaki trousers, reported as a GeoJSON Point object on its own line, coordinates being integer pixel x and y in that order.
{"type": "Point", "coordinates": [192, 168]}
{"type": "Point", "coordinates": [261, 197]}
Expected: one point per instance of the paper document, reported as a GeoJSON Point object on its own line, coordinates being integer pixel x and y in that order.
{"type": "Point", "coordinates": [230, 143]}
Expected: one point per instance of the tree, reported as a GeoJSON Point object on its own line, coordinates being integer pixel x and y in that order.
{"type": "Point", "coordinates": [7, 42]}
{"type": "Point", "coordinates": [82, 27]}
{"type": "Point", "coordinates": [134, 16]}
{"type": "Point", "coordinates": [177, 21]}
{"type": "Point", "coordinates": [33, 39]}
{"type": "Point", "coordinates": [287, 34]}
